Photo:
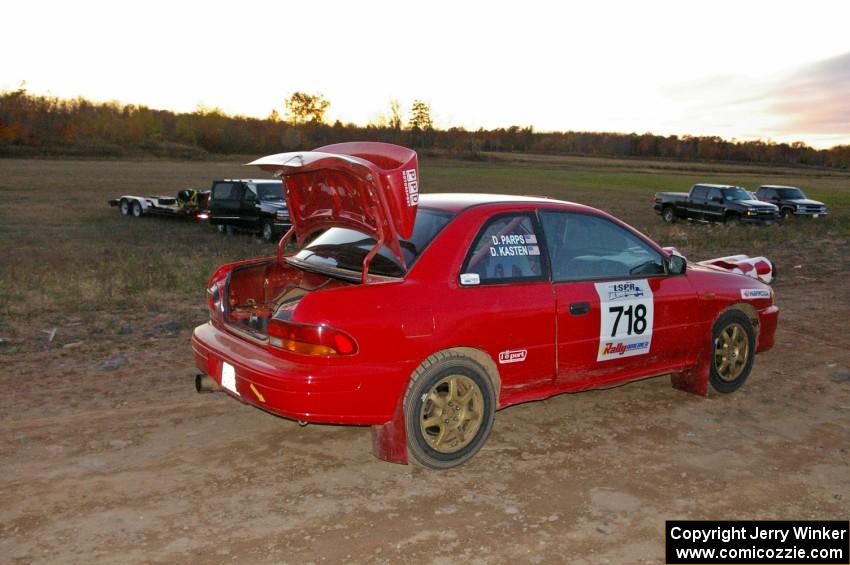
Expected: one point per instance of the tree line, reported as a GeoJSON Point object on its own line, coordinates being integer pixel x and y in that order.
{"type": "Point", "coordinates": [34, 125]}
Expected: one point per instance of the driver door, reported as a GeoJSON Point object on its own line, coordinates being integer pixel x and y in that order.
{"type": "Point", "coordinates": [619, 314]}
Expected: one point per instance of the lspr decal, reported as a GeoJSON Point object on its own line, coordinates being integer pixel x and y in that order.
{"type": "Point", "coordinates": [626, 317]}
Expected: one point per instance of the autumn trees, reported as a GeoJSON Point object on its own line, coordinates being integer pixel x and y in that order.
{"type": "Point", "coordinates": [46, 125]}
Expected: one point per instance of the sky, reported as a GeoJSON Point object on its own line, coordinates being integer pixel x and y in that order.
{"type": "Point", "coordinates": [742, 70]}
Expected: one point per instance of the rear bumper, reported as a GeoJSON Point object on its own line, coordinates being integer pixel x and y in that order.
{"type": "Point", "coordinates": [768, 319]}
{"type": "Point", "coordinates": [321, 391]}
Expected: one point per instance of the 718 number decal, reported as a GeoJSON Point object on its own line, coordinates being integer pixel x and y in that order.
{"type": "Point", "coordinates": [636, 324]}
{"type": "Point", "coordinates": [626, 315]}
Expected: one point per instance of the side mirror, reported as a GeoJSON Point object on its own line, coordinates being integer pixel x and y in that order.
{"type": "Point", "coordinates": [676, 264]}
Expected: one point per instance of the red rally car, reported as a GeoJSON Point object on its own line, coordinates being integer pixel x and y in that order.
{"type": "Point", "coordinates": [421, 315]}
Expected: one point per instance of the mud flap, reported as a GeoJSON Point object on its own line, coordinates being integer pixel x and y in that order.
{"type": "Point", "coordinates": [389, 441]}
{"type": "Point", "coordinates": [695, 380]}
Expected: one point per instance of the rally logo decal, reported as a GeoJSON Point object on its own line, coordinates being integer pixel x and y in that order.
{"type": "Point", "coordinates": [512, 245]}
{"type": "Point", "coordinates": [626, 317]}
{"type": "Point", "coordinates": [513, 356]}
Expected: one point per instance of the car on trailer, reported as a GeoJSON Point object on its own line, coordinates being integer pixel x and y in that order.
{"type": "Point", "coordinates": [421, 315]}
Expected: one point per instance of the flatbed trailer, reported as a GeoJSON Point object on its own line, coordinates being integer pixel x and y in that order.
{"type": "Point", "coordinates": [188, 203]}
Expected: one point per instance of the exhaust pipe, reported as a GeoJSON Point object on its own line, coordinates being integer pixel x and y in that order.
{"type": "Point", "coordinates": [205, 383]}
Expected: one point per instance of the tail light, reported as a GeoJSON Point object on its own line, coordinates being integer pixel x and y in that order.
{"type": "Point", "coordinates": [215, 301]}
{"type": "Point", "coordinates": [310, 340]}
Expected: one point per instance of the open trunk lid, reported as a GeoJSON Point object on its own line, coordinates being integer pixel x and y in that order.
{"type": "Point", "coordinates": [369, 187]}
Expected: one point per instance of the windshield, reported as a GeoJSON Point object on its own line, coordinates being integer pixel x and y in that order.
{"type": "Point", "coordinates": [790, 193]}
{"type": "Point", "coordinates": [341, 248]}
{"type": "Point", "coordinates": [270, 191]}
{"type": "Point", "coordinates": [736, 194]}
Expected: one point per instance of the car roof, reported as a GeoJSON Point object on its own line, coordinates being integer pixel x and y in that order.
{"type": "Point", "coordinates": [777, 186]}
{"type": "Point", "coordinates": [456, 202]}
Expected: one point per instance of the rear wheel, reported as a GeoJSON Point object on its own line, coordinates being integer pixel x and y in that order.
{"type": "Point", "coordinates": [734, 351]}
{"type": "Point", "coordinates": [668, 215]}
{"type": "Point", "coordinates": [137, 209]}
{"type": "Point", "coordinates": [124, 206]}
{"type": "Point", "coordinates": [448, 410]}
{"type": "Point", "coordinates": [268, 230]}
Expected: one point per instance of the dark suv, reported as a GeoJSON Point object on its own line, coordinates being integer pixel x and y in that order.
{"type": "Point", "coordinates": [256, 206]}
{"type": "Point", "coordinates": [791, 201]}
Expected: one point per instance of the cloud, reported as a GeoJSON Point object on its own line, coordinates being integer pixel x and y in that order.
{"type": "Point", "coordinates": [814, 99]}
{"type": "Point", "coordinates": [810, 102]}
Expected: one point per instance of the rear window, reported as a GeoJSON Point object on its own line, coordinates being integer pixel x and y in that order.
{"type": "Point", "coordinates": [225, 191]}
{"type": "Point", "coordinates": [341, 248]}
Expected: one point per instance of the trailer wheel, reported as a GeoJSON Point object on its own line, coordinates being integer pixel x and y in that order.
{"type": "Point", "coordinates": [137, 209]}
{"type": "Point", "coordinates": [124, 207]}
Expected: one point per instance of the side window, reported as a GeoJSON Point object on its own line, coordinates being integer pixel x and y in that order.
{"type": "Point", "coordinates": [585, 247]}
{"type": "Point", "coordinates": [225, 191]}
{"type": "Point", "coordinates": [250, 194]}
{"type": "Point", "coordinates": [714, 193]}
{"type": "Point", "coordinates": [506, 250]}
{"type": "Point", "coordinates": [699, 192]}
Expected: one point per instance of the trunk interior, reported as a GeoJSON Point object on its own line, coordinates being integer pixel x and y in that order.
{"type": "Point", "coordinates": [256, 293]}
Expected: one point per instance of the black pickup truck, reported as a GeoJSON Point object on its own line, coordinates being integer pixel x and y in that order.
{"type": "Point", "coordinates": [715, 203]}
{"type": "Point", "coordinates": [256, 206]}
{"type": "Point", "coordinates": [791, 201]}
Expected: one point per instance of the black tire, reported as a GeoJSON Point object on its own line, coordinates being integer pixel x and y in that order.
{"type": "Point", "coordinates": [124, 207]}
{"type": "Point", "coordinates": [225, 229]}
{"type": "Point", "coordinates": [137, 209]}
{"type": "Point", "coordinates": [733, 219]}
{"type": "Point", "coordinates": [668, 215]}
{"type": "Point", "coordinates": [787, 214]}
{"type": "Point", "coordinates": [267, 231]}
{"type": "Point", "coordinates": [732, 357]}
{"type": "Point", "coordinates": [455, 418]}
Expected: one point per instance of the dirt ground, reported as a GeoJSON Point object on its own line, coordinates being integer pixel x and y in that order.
{"type": "Point", "coordinates": [108, 455]}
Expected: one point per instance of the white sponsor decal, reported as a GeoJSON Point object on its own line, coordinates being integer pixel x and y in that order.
{"type": "Point", "coordinates": [513, 356]}
{"type": "Point", "coordinates": [470, 278]}
{"type": "Point", "coordinates": [228, 377]}
{"type": "Point", "coordinates": [747, 293]}
{"type": "Point", "coordinates": [626, 316]}
{"type": "Point", "coordinates": [411, 186]}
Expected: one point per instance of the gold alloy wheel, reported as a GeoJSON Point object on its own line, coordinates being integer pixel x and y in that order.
{"type": "Point", "coordinates": [452, 413]}
{"type": "Point", "coordinates": [731, 352]}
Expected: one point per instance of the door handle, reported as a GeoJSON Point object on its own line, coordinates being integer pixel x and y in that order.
{"type": "Point", "coordinates": [579, 308]}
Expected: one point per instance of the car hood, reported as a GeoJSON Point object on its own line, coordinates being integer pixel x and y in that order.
{"type": "Point", "coordinates": [369, 187]}
{"type": "Point", "coordinates": [755, 203]}
{"type": "Point", "coordinates": [806, 201]}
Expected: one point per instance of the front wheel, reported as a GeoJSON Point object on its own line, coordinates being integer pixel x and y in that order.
{"type": "Point", "coordinates": [448, 410]}
{"type": "Point", "coordinates": [733, 219]}
{"type": "Point", "coordinates": [787, 214]}
{"type": "Point", "coordinates": [734, 351]}
{"type": "Point", "coordinates": [667, 215]}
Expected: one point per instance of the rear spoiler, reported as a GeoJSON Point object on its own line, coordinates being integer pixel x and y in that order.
{"type": "Point", "coordinates": [369, 187]}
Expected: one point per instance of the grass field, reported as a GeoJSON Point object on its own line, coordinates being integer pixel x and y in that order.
{"type": "Point", "coordinates": [66, 254]}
